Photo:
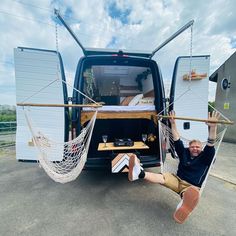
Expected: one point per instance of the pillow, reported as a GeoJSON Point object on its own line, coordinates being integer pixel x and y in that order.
{"type": "Point", "coordinates": [126, 101]}
{"type": "Point", "coordinates": [135, 100]}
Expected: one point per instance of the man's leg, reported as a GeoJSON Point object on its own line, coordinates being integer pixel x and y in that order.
{"type": "Point", "coordinates": [190, 199]}
{"type": "Point", "coordinates": [137, 172]}
{"type": "Point", "coordinates": [154, 178]}
{"type": "Point", "coordinates": [190, 194]}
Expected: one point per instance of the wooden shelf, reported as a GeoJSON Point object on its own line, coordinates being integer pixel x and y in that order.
{"type": "Point", "coordinates": [87, 115]}
{"type": "Point", "coordinates": [111, 147]}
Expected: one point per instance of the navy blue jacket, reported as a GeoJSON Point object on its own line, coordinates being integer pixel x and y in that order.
{"type": "Point", "coordinates": [193, 170]}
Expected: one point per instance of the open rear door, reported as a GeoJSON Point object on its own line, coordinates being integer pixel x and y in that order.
{"type": "Point", "coordinates": [189, 97]}
{"type": "Point", "coordinates": [39, 75]}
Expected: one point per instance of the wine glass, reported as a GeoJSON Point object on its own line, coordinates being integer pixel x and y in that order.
{"type": "Point", "coordinates": [104, 139]}
{"type": "Point", "coordinates": [144, 138]}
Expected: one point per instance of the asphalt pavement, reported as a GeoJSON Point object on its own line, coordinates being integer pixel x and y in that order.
{"type": "Point", "coordinates": [99, 203]}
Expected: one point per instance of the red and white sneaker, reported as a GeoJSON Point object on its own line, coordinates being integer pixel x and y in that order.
{"type": "Point", "coordinates": [188, 203]}
{"type": "Point", "coordinates": [134, 168]}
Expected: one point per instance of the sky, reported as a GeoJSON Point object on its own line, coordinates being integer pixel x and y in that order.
{"type": "Point", "coordinates": [122, 24]}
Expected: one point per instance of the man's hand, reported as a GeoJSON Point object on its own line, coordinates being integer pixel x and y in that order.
{"type": "Point", "coordinates": [172, 119]}
{"type": "Point", "coordinates": [213, 117]}
{"type": "Point", "coordinates": [174, 129]}
{"type": "Point", "coordinates": [212, 127]}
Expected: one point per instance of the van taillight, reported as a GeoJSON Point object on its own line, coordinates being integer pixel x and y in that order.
{"type": "Point", "coordinates": [120, 55]}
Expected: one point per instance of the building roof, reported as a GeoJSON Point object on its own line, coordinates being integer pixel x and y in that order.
{"type": "Point", "coordinates": [214, 76]}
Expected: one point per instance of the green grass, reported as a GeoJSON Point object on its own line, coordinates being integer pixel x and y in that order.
{"type": "Point", "coordinates": [6, 143]}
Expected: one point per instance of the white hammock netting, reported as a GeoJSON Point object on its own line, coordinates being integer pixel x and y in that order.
{"type": "Point", "coordinates": [74, 152]}
{"type": "Point", "coordinates": [170, 163]}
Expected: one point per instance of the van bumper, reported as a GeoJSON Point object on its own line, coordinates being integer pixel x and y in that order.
{"type": "Point", "coordinates": [103, 163]}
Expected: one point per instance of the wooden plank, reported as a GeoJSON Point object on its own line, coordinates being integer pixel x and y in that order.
{"type": "Point", "coordinates": [87, 115]}
{"type": "Point", "coordinates": [111, 147]}
{"type": "Point", "coordinates": [227, 122]}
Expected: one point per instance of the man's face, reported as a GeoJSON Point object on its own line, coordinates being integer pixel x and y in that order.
{"type": "Point", "coordinates": [195, 149]}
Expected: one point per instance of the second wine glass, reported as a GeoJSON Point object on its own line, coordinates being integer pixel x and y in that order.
{"type": "Point", "coordinates": [144, 138]}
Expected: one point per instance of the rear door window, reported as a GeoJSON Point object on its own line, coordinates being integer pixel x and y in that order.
{"type": "Point", "coordinates": [119, 85]}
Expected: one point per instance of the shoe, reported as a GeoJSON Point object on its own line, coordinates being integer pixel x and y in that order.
{"type": "Point", "coordinates": [189, 202]}
{"type": "Point", "coordinates": [134, 168]}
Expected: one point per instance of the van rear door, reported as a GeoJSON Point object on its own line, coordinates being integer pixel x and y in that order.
{"type": "Point", "coordinates": [189, 96]}
{"type": "Point", "coordinates": [39, 74]}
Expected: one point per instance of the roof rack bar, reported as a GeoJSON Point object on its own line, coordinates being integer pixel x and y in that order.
{"type": "Point", "coordinates": [56, 12]}
{"type": "Point", "coordinates": [190, 23]}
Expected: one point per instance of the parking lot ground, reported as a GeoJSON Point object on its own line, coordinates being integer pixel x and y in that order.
{"type": "Point", "coordinates": [99, 203]}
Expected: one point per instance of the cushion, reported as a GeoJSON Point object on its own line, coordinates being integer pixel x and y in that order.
{"type": "Point", "coordinates": [135, 100]}
{"type": "Point", "coordinates": [126, 101]}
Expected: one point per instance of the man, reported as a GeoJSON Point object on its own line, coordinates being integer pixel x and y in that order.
{"type": "Point", "coordinates": [192, 169]}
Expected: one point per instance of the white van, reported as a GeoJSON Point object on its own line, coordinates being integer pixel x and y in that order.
{"type": "Point", "coordinates": [128, 84]}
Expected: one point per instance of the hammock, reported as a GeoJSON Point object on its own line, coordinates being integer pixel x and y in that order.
{"type": "Point", "coordinates": [186, 94]}
{"type": "Point", "coordinates": [72, 155]}
{"type": "Point", "coordinates": [74, 152]}
{"type": "Point", "coordinates": [170, 164]}
{"type": "Point", "coordinates": [62, 161]}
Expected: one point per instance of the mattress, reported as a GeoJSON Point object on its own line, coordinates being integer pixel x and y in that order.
{"type": "Point", "coordinates": [122, 108]}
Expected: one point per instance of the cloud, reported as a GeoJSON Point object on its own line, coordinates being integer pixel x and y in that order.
{"type": "Point", "coordinates": [117, 12]}
{"type": "Point", "coordinates": [129, 24]}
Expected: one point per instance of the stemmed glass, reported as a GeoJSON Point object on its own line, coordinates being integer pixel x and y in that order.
{"type": "Point", "coordinates": [144, 138]}
{"type": "Point", "coordinates": [104, 139]}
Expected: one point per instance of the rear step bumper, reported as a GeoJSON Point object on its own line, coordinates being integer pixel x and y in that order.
{"type": "Point", "coordinates": [105, 163]}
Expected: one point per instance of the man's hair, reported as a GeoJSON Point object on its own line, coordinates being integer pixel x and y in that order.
{"type": "Point", "coordinates": [195, 141]}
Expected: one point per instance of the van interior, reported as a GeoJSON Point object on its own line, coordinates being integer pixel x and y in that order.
{"type": "Point", "coordinates": [119, 85]}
